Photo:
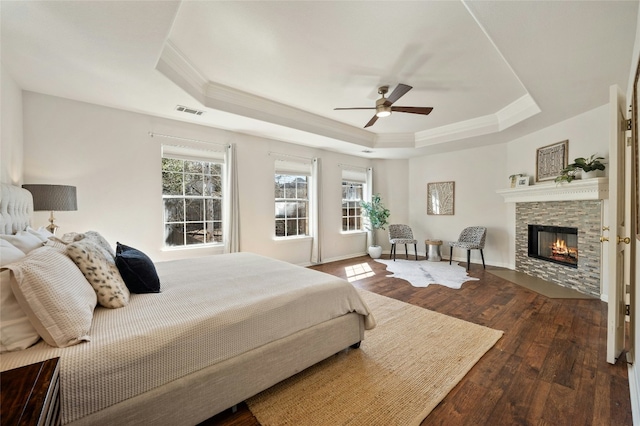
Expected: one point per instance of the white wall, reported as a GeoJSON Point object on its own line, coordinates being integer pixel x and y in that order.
{"type": "Point", "coordinates": [477, 174]}
{"type": "Point", "coordinates": [109, 156]}
{"type": "Point", "coordinates": [588, 133]}
{"type": "Point", "coordinates": [11, 150]}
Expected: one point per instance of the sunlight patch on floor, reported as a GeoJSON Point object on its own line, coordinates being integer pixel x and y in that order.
{"type": "Point", "coordinates": [358, 272]}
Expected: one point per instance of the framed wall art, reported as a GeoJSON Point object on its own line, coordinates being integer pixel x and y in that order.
{"type": "Point", "coordinates": [522, 181]}
{"type": "Point", "coordinates": [550, 160]}
{"type": "Point", "coordinates": [440, 198]}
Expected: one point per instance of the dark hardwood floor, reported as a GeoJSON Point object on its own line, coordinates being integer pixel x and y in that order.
{"type": "Point", "coordinates": [549, 368]}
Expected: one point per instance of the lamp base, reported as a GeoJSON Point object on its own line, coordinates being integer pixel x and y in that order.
{"type": "Point", "coordinates": [52, 226]}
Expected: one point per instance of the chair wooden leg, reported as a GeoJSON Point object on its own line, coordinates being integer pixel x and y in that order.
{"type": "Point", "coordinates": [415, 247]}
{"type": "Point", "coordinates": [406, 252]}
{"type": "Point", "coordinates": [450, 255]}
{"type": "Point", "coordinates": [393, 251]}
{"type": "Point", "coordinates": [468, 259]}
{"type": "Point", "coordinates": [482, 255]}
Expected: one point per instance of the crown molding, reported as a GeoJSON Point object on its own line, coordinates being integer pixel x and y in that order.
{"type": "Point", "coordinates": [517, 111]}
{"type": "Point", "coordinates": [175, 66]}
{"type": "Point", "coordinates": [395, 140]}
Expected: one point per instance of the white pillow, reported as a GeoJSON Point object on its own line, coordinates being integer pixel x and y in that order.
{"type": "Point", "coordinates": [9, 253]}
{"type": "Point", "coordinates": [55, 296]}
{"type": "Point", "coordinates": [23, 240]}
{"type": "Point", "coordinates": [42, 233]}
{"type": "Point", "coordinates": [100, 270]}
{"type": "Point", "coordinates": [16, 332]}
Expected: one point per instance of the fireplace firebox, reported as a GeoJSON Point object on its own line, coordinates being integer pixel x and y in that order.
{"type": "Point", "coordinates": [557, 244]}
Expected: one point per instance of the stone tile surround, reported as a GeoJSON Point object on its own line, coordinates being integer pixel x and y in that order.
{"type": "Point", "coordinates": [586, 215]}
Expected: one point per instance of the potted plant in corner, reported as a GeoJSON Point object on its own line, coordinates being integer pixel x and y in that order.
{"type": "Point", "coordinates": [590, 168]}
{"type": "Point", "coordinates": [377, 216]}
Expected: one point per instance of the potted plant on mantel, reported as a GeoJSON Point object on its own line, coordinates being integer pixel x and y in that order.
{"type": "Point", "coordinates": [377, 216]}
{"type": "Point", "coordinates": [590, 168]}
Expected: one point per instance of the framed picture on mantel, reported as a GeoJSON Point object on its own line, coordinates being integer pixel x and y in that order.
{"type": "Point", "coordinates": [550, 160]}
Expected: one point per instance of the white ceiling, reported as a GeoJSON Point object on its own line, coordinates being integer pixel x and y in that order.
{"type": "Point", "coordinates": [492, 70]}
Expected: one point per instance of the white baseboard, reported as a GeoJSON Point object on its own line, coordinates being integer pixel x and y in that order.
{"type": "Point", "coordinates": [634, 389]}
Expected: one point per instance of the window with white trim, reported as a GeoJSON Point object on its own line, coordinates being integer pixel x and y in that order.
{"type": "Point", "coordinates": [291, 199]}
{"type": "Point", "coordinates": [192, 197]}
{"type": "Point", "coordinates": [353, 189]}
{"type": "Point", "coordinates": [351, 198]}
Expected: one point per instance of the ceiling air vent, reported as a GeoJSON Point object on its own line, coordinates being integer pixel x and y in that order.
{"type": "Point", "coordinates": [189, 110]}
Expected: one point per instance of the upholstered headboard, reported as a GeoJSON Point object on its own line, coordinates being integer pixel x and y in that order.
{"type": "Point", "coordinates": [16, 209]}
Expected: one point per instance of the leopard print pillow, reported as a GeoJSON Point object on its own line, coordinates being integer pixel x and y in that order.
{"type": "Point", "coordinates": [100, 269]}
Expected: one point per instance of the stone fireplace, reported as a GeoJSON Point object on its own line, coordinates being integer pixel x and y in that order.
{"type": "Point", "coordinates": [586, 218]}
{"type": "Point", "coordinates": [558, 229]}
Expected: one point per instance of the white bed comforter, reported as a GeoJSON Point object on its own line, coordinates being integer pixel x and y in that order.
{"type": "Point", "coordinates": [210, 309]}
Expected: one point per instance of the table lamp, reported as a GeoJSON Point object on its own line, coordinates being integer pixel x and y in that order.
{"type": "Point", "coordinates": [52, 198]}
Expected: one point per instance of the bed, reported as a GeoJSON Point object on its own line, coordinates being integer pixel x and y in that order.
{"type": "Point", "coordinates": [222, 329]}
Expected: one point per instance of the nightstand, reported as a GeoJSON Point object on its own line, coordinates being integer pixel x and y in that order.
{"type": "Point", "coordinates": [29, 395]}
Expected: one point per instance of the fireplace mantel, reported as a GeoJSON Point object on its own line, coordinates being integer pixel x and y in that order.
{"type": "Point", "coordinates": [581, 189]}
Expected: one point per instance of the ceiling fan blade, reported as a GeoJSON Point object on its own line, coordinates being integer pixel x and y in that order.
{"type": "Point", "coordinates": [370, 123]}
{"type": "Point", "coordinates": [397, 93]}
{"type": "Point", "coordinates": [412, 110]}
{"type": "Point", "coordinates": [336, 109]}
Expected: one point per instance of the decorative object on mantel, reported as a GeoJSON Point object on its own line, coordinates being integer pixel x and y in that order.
{"type": "Point", "coordinates": [441, 198]}
{"type": "Point", "coordinates": [522, 181]}
{"type": "Point", "coordinates": [590, 168]}
{"type": "Point", "coordinates": [551, 160]}
{"type": "Point", "coordinates": [58, 198]}
{"type": "Point", "coordinates": [377, 216]}
{"type": "Point", "coordinates": [514, 179]}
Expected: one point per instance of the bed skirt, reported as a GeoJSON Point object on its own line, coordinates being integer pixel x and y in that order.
{"type": "Point", "coordinates": [205, 393]}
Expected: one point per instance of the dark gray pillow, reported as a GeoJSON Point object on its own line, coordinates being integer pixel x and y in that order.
{"type": "Point", "coordinates": [137, 270]}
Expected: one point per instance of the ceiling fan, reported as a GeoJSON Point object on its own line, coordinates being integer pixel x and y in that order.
{"type": "Point", "coordinates": [384, 105]}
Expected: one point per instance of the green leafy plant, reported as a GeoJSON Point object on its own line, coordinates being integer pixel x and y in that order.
{"type": "Point", "coordinates": [376, 213]}
{"type": "Point", "coordinates": [586, 164]}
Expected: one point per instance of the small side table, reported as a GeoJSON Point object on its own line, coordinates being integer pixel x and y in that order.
{"type": "Point", "coordinates": [30, 394]}
{"type": "Point", "coordinates": [432, 247]}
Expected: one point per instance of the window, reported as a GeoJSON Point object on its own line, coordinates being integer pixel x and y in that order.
{"type": "Point", "coordinates": [351, 198]}
{"type": "Point", "coordinates": [292, 205]}
{"type": "Point", "coordinates": [192, 201]}
{"type": "Point", "coordinates": [354, 189]}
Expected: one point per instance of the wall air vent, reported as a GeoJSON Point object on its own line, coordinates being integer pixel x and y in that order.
{"type": "Point", "coordinates": [189, 110]}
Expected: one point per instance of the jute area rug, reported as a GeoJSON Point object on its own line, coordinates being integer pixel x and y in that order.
{"type": "Point", "coordinates": [403, 369]}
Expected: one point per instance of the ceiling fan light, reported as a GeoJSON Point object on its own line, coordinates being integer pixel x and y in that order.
{"type": "Point", "coordinates": [383, 111]}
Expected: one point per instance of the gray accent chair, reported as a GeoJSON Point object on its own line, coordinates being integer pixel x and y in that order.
{"type": "Point", "coordinates": [402, 234]}
{"type": "Point", "coordinates": [471, 238]}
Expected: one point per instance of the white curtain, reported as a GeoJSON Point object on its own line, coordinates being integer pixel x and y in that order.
{"type": "Point", "coordinates": [368, 195]}
{"type": "Point", "coordinates": [231, 210]}
{"type": "Point", "coordinates": [316, 202]}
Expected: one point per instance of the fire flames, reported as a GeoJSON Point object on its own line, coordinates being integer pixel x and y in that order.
{"type": "Point", "coordinates": [559, 248]}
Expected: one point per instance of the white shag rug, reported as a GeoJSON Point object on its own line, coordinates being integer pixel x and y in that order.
{"type": "Point", "coordinates": [421, 273]}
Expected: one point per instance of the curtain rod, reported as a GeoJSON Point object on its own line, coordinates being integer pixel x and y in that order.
{"type": "Point", "coordinates": [271, 153]}
{"type": "Point", "coordinates": [151, 134]}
